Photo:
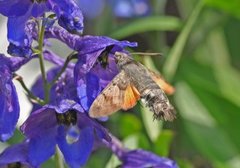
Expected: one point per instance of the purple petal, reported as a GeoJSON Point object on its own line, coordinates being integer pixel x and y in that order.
{"type": "Point", "coordinates": [97, 43]}
{"type": "Point", "coordinates": [76, 154]}
{"type": "Point", "coordinates": [9, 111]}
{"type": "Point", "coordinates": [65, 106]}
{"type": "Point", "coordinates": [62, 35]}
{"type": "Point", "coordinates": [39, 8]}
{"type": "Point", "coordinates": [101, 132]}
{"type": "Point", "coordinates": [41, 130]}
{"type": "Point", "coordinates": [13, 8]}
{"type": "Point", "coordinates": [17, 62]}
{"type": "Point", "coordinates": [141, 158]}
{"type": "Point", "coordinates": [14, 153]}
{"type": "Point", "coordinates": [42, 147]}
{"type": "Point", "coordinates": [19, 51]}
{"type": "Point", "coordinates": [20, 40]}
{"type": "Point", "coordinates": [39, 122]}
{"type": "Point", "coordinates": [69, 15]}
{"type": "Point", "coordinates": [88, 90]}
{"type": "Point", "coordinates": [16, 30]}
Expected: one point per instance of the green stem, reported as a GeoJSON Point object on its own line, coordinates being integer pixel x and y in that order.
{"type": "Point", "coordinates": [41, 61]}
{"type": "Point", "coordinates": [29, 93]}
{"type": "Point", "coordinates": [58, 159]}
{"type": "Point", "coordinates": [175, 53]}
{"type": "Point", "coordinates": [69, 58]}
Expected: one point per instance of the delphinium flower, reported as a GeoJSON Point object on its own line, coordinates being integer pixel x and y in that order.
{"type": "Point", "coordinates": [20, 11]}
{"type": "Point", "coordinates": [138, 158]}
{"type": "Point", "coordinates": [65, 125]}
{"type": "Point", "coordinates": [9, 111]}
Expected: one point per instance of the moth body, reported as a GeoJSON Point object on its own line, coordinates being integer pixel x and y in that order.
{"type": "Point", "coordinates": [151, 94]}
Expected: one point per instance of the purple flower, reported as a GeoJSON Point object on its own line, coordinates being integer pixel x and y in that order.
{"type": "Point", "coordinates": [19, 12]}
{"type": "Point", "coordinates": [9, 111]}
{"type": "Point", "coordinates": [68, 127]}
{"type": "Point", "coordinates": [69, 15]}
{"type": "Point", "coordinates": [87, 44]}
{"type": "Point", "coordinates": [138, 158]}
{"type": "Point", "coordinates": [143, 159]}
{"type": "Point", "coordinates": [15, 156]}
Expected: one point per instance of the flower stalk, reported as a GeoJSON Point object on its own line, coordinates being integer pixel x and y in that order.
{"type": "Point", "coordinates": [41, 61]}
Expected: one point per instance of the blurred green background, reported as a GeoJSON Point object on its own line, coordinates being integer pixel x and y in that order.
{"type": "Point", "coordinates": [200, 44]}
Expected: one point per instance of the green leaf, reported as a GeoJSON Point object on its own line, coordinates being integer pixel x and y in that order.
{"type": "Point", "coordinates": [175, 53]}
{"type": "Point", "coordinates": [137, 140]}
{"type": "Point", "coordinates": [163, 143]}
{"type": "Point", "coordinates": [131, 142]}
{"type": "Point", "coordinates": [129, 124]}
{"type": "Point", "coordinates": [113, 162]}
{"type": "Point", "coordinates": [207, 136]}
{"type": "Point", "coordinates": [227, 77]}
{"type": "Point", "coordinates": [100, 158]}
{"type": "Point", "coordinates": [16, 138]}
{"type": "Point", "coordinates": [151, 23]}
{"type": "Point", "coordinates": [153, 128]}
{"type": "Point", "coordinates": [187, 101]}
{"type": "Point", "coordinates": [184, 164]}
{"type": "Point", "coordinates": [230, 6]}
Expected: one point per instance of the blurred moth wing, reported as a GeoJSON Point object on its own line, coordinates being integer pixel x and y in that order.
{"type": "Point", "coordinates": [118, 94]}
{"type": "Point", "coordinates": [166, 87]}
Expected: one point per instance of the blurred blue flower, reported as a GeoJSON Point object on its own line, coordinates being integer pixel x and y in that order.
{"type": "Point", "coordinates": [20, 11]}
{"type": "Point", "coordinates": [120, 8]}
{"type": "Point", "coordinates": [91, 9]}
{"type": "Point", "coordinates": [130, 8]}
{"type": "Point", "coordinates": [9, 111]}
{"type": "Point", "coordinates": [65, 125]}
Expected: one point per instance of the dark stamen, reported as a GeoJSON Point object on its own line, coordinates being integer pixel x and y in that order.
{"type": "Point", "coordinates": [67, 118]}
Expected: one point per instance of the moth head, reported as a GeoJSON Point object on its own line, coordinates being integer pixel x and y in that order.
{"type": "Point", "coordinates": [122, 58]}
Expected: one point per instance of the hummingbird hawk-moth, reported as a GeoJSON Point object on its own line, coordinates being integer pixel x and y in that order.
{"type": "Point", "coordinates": [134, 82]}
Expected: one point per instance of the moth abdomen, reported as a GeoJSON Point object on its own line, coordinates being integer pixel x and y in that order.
{"type": "Point", "coordinates": [157, 102]}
